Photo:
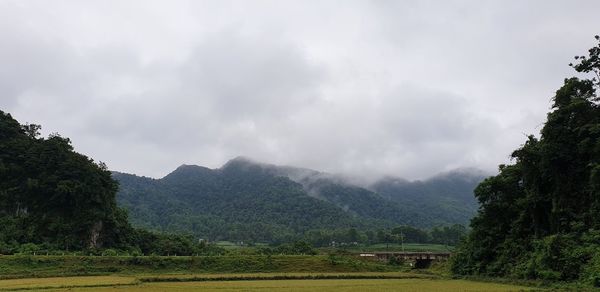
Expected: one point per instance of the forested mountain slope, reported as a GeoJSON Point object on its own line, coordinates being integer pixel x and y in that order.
{"type": "Point", "coordinates": [227, 203]}
{"type": "Point", "coordinates": [246, 200]}
{"type": "Point", "coordinates": [447, 197]}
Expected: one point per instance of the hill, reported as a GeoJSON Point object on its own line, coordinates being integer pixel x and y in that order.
{"type": "Point", "coordinates": [246, 200]}
{"type": "Point", "coordinates": [53, 195]}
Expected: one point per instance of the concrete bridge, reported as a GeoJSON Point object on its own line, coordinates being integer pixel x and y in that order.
{"type": "Point", "coordinates": [418, 259]}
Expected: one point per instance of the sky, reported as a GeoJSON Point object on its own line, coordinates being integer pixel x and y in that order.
{"type": "Point", "coordinates": [363, 88]}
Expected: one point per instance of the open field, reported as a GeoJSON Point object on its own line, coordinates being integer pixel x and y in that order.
{"type": "Point", "coordinates": [351, 285]}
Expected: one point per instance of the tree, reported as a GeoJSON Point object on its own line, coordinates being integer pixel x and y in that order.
{"type": "Point", "coordinates": [51, 194]}
{"type": "Point", "coordinates": [538, 216]}
{"type": "Point", "coordinates": [410, 234]}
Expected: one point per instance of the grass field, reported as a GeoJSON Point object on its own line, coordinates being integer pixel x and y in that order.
{"type": "Point", "coordinates": [351, 285]}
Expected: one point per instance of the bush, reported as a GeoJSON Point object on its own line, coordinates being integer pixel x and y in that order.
{"type": "Point", "coordinates": [29, 248]}
{"type": "Point", "coordinates": [395, 261]}
{"type": "Point", "coordinates": [558, 257]}
{"type": "Point", "coordinates": [8, 248]}
{"type": "Point", "coordinates": [110, 252]}
{"type": "Point", "coordinates": [591, 272]}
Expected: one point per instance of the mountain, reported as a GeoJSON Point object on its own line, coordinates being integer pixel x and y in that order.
{"type": "Point", "coordinates": [247, 200]}
{"type": "Point", "coordinates": [237, 202]}
{"type": "Point", "coordinates": [341, 192]}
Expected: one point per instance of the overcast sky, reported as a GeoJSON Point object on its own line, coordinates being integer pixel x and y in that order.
{"type": "Point", "coordinates": [403, 88]}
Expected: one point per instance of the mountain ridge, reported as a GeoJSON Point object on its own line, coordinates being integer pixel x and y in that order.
{"type": "Point", "coordinates": [278, 202]}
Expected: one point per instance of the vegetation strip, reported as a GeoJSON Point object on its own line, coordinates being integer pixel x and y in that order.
{"type": "Point", "coordinates": [281, 277]}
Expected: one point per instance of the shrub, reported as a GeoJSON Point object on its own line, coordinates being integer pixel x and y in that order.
{"type": "Point", "coordinates": [29, 248]}
{"type": "Point", "coordinates": [110, 252]}
{"type": "Point", "coordinates": [591, 272]}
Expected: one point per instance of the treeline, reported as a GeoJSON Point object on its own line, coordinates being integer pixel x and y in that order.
{"type": "Point", "coordinates": [146, 244]}
{"type": "Point", "coordinates": [448, 235]}
{"type": "Point", "coordinates": [540, 217]}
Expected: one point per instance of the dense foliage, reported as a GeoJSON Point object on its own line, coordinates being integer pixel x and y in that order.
{"type": "Point", "coordinates": [53, 199]}
{"type": "Point", "coordinates": [447, 197]}
{"type": "Point", "coordinates": [446, 235]}
{"type": "Point", "coordinates": [51, 194]}
{"type": "Point", "coordinates": [540, 217]}
{"type": "Point", "coordinates": [254, 202]}
{"type": "Point", "coordinates": [222, 204]}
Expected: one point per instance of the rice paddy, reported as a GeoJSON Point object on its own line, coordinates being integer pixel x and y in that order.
{"type": "Point", "coordinates": [262, 282]}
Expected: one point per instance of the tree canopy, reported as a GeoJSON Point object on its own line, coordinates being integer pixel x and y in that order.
{"type": "Point", "coordinates": [50, 193]}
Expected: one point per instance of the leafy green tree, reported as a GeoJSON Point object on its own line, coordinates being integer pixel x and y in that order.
{"type": "Point", "coordinates": [449, 235]}
{"type": "Point", "coordinates": [410, 234]}
{"type": "Point", "coordinates": [539, 215]}
{"type": "Point", "coordinates": [51, 194]}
